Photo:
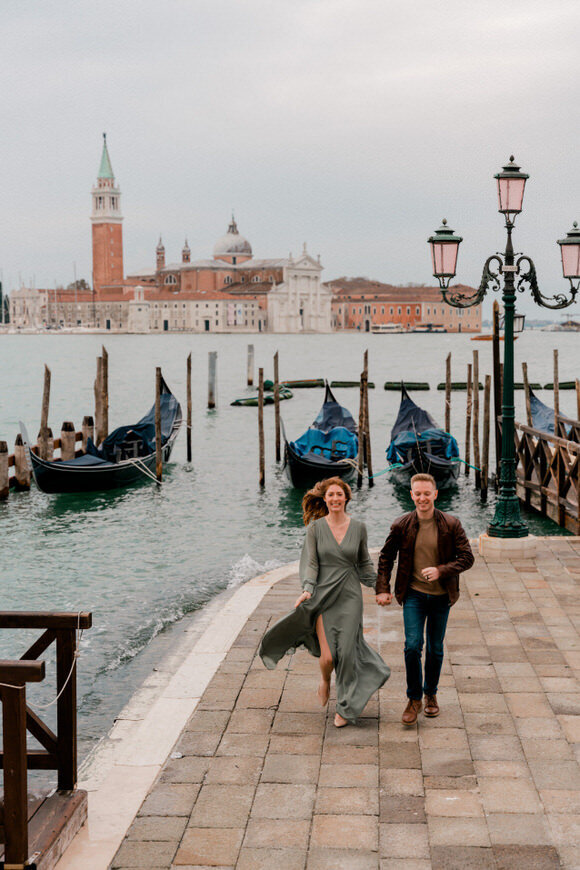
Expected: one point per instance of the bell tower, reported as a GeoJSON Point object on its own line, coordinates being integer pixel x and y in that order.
{"type": "Point", "coordinates": [107, 222]}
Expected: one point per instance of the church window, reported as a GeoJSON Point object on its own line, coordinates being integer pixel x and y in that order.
{"type": "Point", "coordinates": [408, 309]}
{"type": "Point", "coordinates": [170, 279]}
{"type": "Point", "coordinates": [399, 310]}
{"type": "Point", "coordinates": [391, 310]}
{"type": "Point", "coordinates": [228, 279]}
{"type": "Point", "coordinates": [417, 310]}
{"type": "Point", "coordinates": [382, 309]}
{"type": "Point", "coordinates": [256, 279]}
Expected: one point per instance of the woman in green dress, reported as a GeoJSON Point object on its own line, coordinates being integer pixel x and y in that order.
{"type": "Point", "coordinates": [327, 617]}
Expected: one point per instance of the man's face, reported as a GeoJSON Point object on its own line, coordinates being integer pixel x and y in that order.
{"type": "Point", "coordinates": [424, 494]}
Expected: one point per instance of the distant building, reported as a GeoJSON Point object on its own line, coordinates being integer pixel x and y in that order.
{"type": "Point", "coordinates": [360, 304]}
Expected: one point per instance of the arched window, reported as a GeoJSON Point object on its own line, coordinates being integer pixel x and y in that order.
{"type": "Point", "coordinates": [228, 279]}
{"type": "Point", "coordinates": [256, 279]}
{"type": "Point", "coordinates": [170, 279]}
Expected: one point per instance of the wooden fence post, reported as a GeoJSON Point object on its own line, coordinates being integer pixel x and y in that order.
{"type": "Point", "coordinates": [261, 426]}
{"type": "Point", "coordinates": [4, 482]}
{"type": "Point", "coordinates": [277, 406]}
{"type": "Point", "coordinates": [578, 398]}
{"type": "Point", "coordinates": [448, 393]}
{"type": "Point", "coordinates": [158, 447]}
{"type": "Point", "coordinates": [476, 455]}
{"type": "Point", "coordinates": [485, 451]}
{"type": "Point", "coordinates": [468, 421]}
{"type": "Point", "coordinates": [189, 418]}
{"type": "Point", "coordinates": [22, 473]}
{"type": "Point", "coordinates": [556, 396]}
{"type": "Point", "coordinates": [15, 821]}
{"type": "Point", "coordinates": [88, 430]}
{"type": "Point", "coordinates": [212, 374]}
{"type": "Point", "coordinates": [250, 365]}
{"type": "Point", "coordinates": [66, 710]}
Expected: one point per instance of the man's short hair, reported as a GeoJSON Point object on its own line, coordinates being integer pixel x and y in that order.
{"type": "Point", "coordinates": [423, 478]}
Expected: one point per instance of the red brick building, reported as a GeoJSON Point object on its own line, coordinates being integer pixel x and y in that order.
{"type": "Point", "coordinates": [360, 304]}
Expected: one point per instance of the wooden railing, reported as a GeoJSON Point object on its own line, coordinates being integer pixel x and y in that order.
{"type": "Point", "coordinates": [59, 751]}
{"type": "Point", "coordinates": [548, 476]}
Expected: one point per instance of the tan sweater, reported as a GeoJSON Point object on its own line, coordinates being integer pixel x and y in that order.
{"type": "Point", "coordinates": [426, 555]}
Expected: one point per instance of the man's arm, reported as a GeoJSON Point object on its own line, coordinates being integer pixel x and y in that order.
{"type": "Point", "coordinates": [463, 555]}
{"type": "Point", "coordinates": [386, 561]}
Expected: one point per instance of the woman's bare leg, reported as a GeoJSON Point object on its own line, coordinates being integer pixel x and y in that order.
{"type": "Point", "coordinates": [326, 663]}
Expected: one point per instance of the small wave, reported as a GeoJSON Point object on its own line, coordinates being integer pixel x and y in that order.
{"type": "Point", "coordinates": [246, 568]}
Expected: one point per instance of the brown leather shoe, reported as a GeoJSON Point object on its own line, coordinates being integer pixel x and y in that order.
{"type": "Point", "coordinates": [431, 706]}
{"type": "Point", "coordinates": [412, 710]}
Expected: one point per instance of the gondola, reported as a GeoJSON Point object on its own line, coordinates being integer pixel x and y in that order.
{"type": "Point", "coordinates": [543, 415]}
{"type": "Point", "coordinates": [418, 445]}
{"type": "Point", "coordinates": [127, 455]}
{"type": "Point", "coordinates": [326, 447]}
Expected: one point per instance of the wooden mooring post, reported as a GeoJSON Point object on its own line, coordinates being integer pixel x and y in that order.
{"type": "Point", "coordinates": [476, 454]}
{"type": "Point", "coordinates": [448, 393]}
{"type": "Point", "coordinates": [189, 417]}
{"type": "Point", "coordinates": [368, 451]}
{"type": "Point", "coordinates": [497, 388]}
{"type": "Point", "coordinates": [250, 365]}
{"type": "Point", "coordinates": [87, 430]}
{"type": "Point", "coordinates": [22, 473]}
{"type": "Point", "coordinates": [468, 422]}
{"type": "Point", "coordinates": [262, 452]}
{"type": "Point", "coordinates": [4, 480]}
{"type": "Point", "coordinates": [361, 430]}
{"type": "Point", "coordinates": [277, 406]}
{"type": "Point", "coordinates": [158, 445]}
{"type": "Point", "coordinates": [212, 376]}
{"type": "Point", "coordinates": [44, 439]}
{"type": "Point", "coordinates": [105, 392]}
{"type": "Point", "coordinates": [67, 441]}
{"type": "Point", "coordinates": [98, 390]}
{"type": "Point", "coordinates": [527, 393]}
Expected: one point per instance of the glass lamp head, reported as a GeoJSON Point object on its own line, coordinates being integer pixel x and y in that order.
{"type": "Point", "coordinates": [570, 251]}
{"type": "Point", "coordinates": [444, 250]}
{"type": "Point", "coordinates": [510, 190]}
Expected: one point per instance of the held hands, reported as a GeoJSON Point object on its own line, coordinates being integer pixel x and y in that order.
{"type": "Point", "coordinates": [304, 597]}
{"type": "Point", "coordinates": [383, 599]}
{"type": "Point", "coordinates": [430, 574]}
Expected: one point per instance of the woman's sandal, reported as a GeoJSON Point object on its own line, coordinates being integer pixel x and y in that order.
{"type": "Point", "coordinates": [339, 722]}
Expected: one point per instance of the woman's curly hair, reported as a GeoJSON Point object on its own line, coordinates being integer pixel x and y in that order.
{"type": "Point", "coordinates": [313, 504]}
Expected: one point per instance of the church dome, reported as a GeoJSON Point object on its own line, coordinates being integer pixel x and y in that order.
{"type": "Point", "coordinates": [232, 244]}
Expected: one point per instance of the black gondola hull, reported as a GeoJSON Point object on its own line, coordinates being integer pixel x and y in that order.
{"type": "Point", "coordinates": [445, 472]}
{"type": "Point", "coordinates": [303, 474]}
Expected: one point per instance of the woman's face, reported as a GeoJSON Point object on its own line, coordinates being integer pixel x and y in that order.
{"type": "Point", "coordinates": [335, 499]}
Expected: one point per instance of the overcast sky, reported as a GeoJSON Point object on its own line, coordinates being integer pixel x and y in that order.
{"type": "Point", "coordinates": [351, 125]}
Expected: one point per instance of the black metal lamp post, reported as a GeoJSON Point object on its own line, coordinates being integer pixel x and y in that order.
{"type": "Point", "coordinates": [518, 274]}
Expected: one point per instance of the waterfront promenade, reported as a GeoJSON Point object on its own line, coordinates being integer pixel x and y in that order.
{"type": "Point", "coordinates": [260, 778]}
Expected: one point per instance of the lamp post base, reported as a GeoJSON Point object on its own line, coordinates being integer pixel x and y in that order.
{"type": "Point", "coordinates": [507, 522]}
{"type": "Point", "coordinates": [504, 549]}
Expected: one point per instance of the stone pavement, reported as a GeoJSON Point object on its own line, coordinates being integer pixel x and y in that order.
{"type": "Point", "coordinates": [260, 778]}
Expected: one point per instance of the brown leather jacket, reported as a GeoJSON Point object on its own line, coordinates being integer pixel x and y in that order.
{"type": "Point", "coordinates": [455, 554]}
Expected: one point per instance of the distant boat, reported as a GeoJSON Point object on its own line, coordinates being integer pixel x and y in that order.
{"type": "Point", "coordinates": [326, 447]}
{"type": "Point", "coordinates": [487, 336]}
{"type": "Point", "coordinates": [253, 401]}
{"type": "Point", "coordinates": [418, 445]}
{"type": "Point", "coordinates": [127, 455]}
{"type": "Point", "coordinates": [388, 328]}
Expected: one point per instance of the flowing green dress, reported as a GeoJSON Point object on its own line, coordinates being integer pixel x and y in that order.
{"type": "Point", "coordinates": [332, 573]}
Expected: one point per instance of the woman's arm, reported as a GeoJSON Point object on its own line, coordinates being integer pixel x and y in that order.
{"type": "Point", "coordinates": [309, 561]}
{"type": "Point", "coordinates": [366, 569]}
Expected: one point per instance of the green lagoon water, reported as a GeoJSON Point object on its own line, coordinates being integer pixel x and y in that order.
{"type": "Point", "coordinates": [143, 558]}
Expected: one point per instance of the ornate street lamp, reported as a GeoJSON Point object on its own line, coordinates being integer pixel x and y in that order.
{"type": "Point", "coordinates": [518, 274]}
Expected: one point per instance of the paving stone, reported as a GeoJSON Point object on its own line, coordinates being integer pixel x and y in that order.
{"type": "Point", "coordinates": [283, 801]}
{"type": "Point", "coordinates": [198, 742]}
{"type": "Point", "coordinates": [341, 801]}
{"type": "Point", "coordinates": [271, 859]}
{"type": "Point", "coordinates": [235, 771]}
{"type": "Point", "coordinates": [169, 799]}
{"type": "Point", "coordinates": [450, 830]}
{"type": "Point", "coordinates": [291, 768]}
{"type": "Point", "coordinates": [205, 720]}
{"type": "Point", "coordinates": [277, 834]}
{"type": "Point", "coordinates": [465, 783]}
{"type": "Point", "coordinates": [528, 704]}
{"type": "Point", "coordinates": [222, 806]}
{"type": "Point", "coordinates": [149, 854]}
{"type": "Point", "coordinates": [402, 809]}
{"type": "Point", "coordinates": [396, 755]}
{"type": "Point", "coordinates": [547, 750]}
{"type": "Point", "coordinates": [345, 832]}
{"type": "Point", "coordinates": [486, 703]}
{"type": "Point", "coordinates": [348, 775]}
{"type": "Point", "coordinates": [564, 704]}
{"type": "Point", "coordinates": [446, 762]}
{"type": "Point", "coordinates": [209, 846]}
{"type": "Point", "coordinates": [462, 858]}
{"type": "Point", "coordinates": [251, 721]}
{"type": "Point", "coordinates": [546, 728]}
{"type": "Point", "coordinates": [341, 859]}
{"type": "Point", "coordinates": [295, 744]}
{"type": "Point", "coordinates": [522, 829]}
{"type": "Point", "coordinates": [190, 768]}
{"type": "Point", "coordinates": [341, 754]}
{"type": "Point", "coordinates": [447, 802]}
{"type": "Point", "coordinates": [299, 723]}
{"type": "Point", "coordinates": [507, 795]}
{"type": "Point", "coordinates": [405, 782]}
{"type": "Point", "coordinates": [560, 800]}
{"type": "Point", "coordinates": [157, 828]}
{"type": "Point", "coordinates": [555, 774]}
{"type": "Point", "coordinates": [258, 698]}
{"type": "Point", "coordinates": [495, 748]}
{"type": "Point", "coordinates": [512, 769]}
{"type": "Point", "coordinates": [404, 841]}
{"type": "Point", "coordinates": [565, 828]}
{"type": "Point", "coordinates": [489, 723]}
{"type": "Point", "coordinates": [243, 744]}
{"type": "Point", "coordinates": [528, 857]}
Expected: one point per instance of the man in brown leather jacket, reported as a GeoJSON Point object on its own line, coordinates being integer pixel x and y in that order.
{"type": "Point", "coordinates": [433, 550]}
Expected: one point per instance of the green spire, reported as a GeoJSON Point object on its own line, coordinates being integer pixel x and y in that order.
{"type": "Point", "coordinates": [105, 169]}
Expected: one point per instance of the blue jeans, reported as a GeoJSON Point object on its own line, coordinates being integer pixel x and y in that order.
{"type": "Point", "coordinates": [418, 609]}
